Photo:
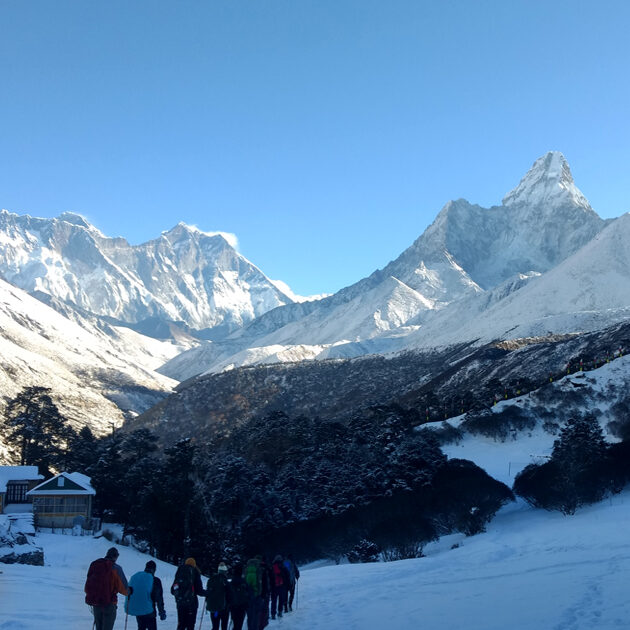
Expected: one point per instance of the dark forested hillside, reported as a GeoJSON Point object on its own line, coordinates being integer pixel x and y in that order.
{"type": "Point", "coordinates": [435, 385]}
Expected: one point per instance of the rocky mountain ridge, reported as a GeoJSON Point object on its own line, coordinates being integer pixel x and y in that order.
{"type": "Point", "coordinates": [184, 275]}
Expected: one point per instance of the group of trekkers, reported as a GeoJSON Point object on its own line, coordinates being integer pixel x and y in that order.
{"type": "Point", "coordinates": [256, 591]}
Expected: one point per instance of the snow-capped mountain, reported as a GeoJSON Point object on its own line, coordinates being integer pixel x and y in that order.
{"type": "Point", "coordinates": [468, 255]}
{"type": "Point", "coordinates": [184, 275]}
{"type": "Point", "coordinates": [99, 373]}
{"type": "Point", "coordinates": [588, 291]}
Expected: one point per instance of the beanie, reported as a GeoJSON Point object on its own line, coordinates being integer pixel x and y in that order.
{"type": "Point", "coordinates": [150, 566]}
{"type": "Point", "coordinates": [222, 567]}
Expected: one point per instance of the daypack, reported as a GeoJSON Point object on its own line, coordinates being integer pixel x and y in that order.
{"type": "Point", "coordinates": [140, 602]}
{"type": "Point", "coordinates": [240, 594]}
{"type": "Point", "coordinates": [253, 576]}
{"type": "Point", "coordinates": [99, 590]}
{"type": "Point", "coordinates": [277, 574]}
{"type": "Point", "coordinates": [184, 587]}
{"type": "Point", "coordinates": [290, 567]}
{"type": "Point", "coordinates": [215, 593]}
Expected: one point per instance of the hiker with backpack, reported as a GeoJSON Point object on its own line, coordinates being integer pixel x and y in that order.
{"type": "Point", "coordinates": [146, 595]}
{"type": "Point", "coordinates": [254, 578]}
{"type": "Point", "coordinates": [217, 598]}
{"type": "Point", "coordinates": [265, 595]}
{"type": "Point", "coordinates": [102, 585]}
{"type": "Point", "coordinates": [186, 588]}
{"type": "Point", "coordinates": [279, 586]}
{"type": "Point", "coordinates": [240, 596]}
{"type": "Point", "coordinates": [294, 576]}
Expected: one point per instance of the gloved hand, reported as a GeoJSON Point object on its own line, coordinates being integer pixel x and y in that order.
{"type": "Point", "coordinates": [162, 616]}
{"type": "Point", "coordinates": [130, 590]}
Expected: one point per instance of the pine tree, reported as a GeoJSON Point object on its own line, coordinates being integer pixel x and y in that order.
{"type": "Point", "coordinates": [578, 455]}
{"type": "Point", "coordinates": [38, 430]}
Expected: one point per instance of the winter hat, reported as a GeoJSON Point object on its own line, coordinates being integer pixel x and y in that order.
{"type": "Point", "coordinates": [112, 553]}
{"type": "Point", "coordinates": [278, 558]}
{"type": "Point", "coordinates": [191, 562]}
{"type": "Point", "coordinates": [222, 567]}
{"type": "Point", "coordinates": [150, 566]}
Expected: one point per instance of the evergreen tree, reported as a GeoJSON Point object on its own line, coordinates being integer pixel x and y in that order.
{"type": "Point", "coordinates": [578, 473]}
{"type": "Point", "coordinates": [84, 450]}
{"type": "Point", "coordinates": [580, 454]}
{"type": "Point", "coordinates": [34, 425]}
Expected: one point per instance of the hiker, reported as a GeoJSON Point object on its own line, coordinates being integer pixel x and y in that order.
{"type": "Point", "coordinates": [265, 595]}
{"type": "Point", "coordinates": [279, 586]}
{"type": "Point", "coordinates": [240, 595]}
{"type": "Point", "coordinates": [217, 598]}
{"type": "Point", "coordinates": [102, 585]}
{"type": "Point", "coordinates": [294, 576]}
{"type": "Point", "coordinates": [146, 595]}
{"type": "Point", "coordinates": [186, 588]}
{"type": "Point", "coordinates": [253, 577]}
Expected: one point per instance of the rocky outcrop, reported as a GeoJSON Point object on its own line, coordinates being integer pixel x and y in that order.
{"type": "Point", "coordinates": [17, 541]}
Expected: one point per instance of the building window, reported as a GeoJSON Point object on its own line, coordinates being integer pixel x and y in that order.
{"type": "Point", "coordinates": [16, 492]}
{"type": "Point", "coordinates": [60, 505]}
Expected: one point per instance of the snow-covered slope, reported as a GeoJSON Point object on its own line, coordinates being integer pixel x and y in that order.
{"type": "Point", "coordinates": [98, 373]}
{"type": "Point", "coordinates": [468, 259]}
{"type": "Point", "coordinates": [184, 275]}
{"type": "Point", "coordinates": [532, 569]}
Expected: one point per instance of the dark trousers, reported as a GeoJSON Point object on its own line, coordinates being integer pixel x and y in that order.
{"type": "Point", "coordinates": [238, 616]}
{"type": "Point", "coordinates": [220, 617]}
{"type": "Point", "coordinates": [186, 618]}
{"type": "Point", "coordinates": [104, 616]}
{"type": "Point", "coordinates": [253, 613]}
{"type": "Point", "coordinates": [291, 595]}
{"type": "Point", "coordinates": [278, 600]}
{"type": "Point", "coordinates": [263, 619]}
{"type": "Point", "coordinates": [147, 622]}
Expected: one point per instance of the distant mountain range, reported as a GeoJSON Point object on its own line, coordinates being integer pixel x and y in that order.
{"type": "Point", "coordinates": [454, 284]}
{"type": "Point", "coordinates": [185, 275]}
{"type": "Point", "coordinates": [541, 263]}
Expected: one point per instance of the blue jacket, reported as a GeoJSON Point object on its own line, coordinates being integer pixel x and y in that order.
{"type": "Point", "coordinates": [140, 601]}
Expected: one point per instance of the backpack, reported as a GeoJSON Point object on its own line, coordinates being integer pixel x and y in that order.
{"type": "Point", "coordinates": [278, 580]}
{"type": "Point", "coordinates": [240, 595]}
{"type": "Point", "coordinates": [253, 576]}
{"type": "Point", "coordinates": [98, 585]}
{"type": "Point", "coordinates": [215, 593]}
{"type": "Point", "coordinates": [290, 567]}
{"type": "Point", "coordinates": [184, 587]}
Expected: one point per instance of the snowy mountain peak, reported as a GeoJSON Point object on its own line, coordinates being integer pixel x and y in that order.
{"type": "Point", "coordinates": [75, 219]}
{"type": "Point", "coordinates": [192, 230]}
{"type": "Point", "coordinates": [548, 182]}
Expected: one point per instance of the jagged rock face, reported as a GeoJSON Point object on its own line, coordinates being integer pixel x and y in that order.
{"type": "Point", "coordinates": [184, 275]}
{"type": "Point", "coordinates": [542, 221]}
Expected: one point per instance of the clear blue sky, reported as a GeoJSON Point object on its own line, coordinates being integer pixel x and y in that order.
{"type": "Point", "coordinates": [326, 135]}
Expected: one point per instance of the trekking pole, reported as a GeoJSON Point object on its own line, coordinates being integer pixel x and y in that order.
{"type": "Point", "coordinates": [126, 612]}
{"type": "Point", "coordinates": [297, 593]}
{"type": "Point", "coordinates": [203, 607]}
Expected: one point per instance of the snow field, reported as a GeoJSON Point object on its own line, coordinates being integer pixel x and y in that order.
{"type": "Point", "coordinates": [531, 570]}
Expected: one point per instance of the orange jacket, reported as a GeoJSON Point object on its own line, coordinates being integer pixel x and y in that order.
{"type": "Point", "coordinates": [117, 587]}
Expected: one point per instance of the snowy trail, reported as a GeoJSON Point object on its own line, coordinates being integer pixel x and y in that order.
{"type": "Point", "coordinates": [531, 570]}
